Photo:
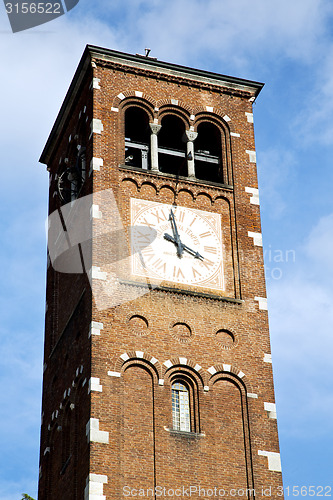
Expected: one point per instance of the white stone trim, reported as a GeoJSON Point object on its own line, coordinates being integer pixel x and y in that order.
{"type": "Point", "coordinates": [94, 435]}
{"type": "Point", "coordinates": [153, 361]}
{"type": "Point", "coordinates": [206, 388]}
{"type": "Point", "coordinates": [234, 134]}
{"type": "Point", "coordinates": [95, 164]}
{"type": "Point", "coordinates": [121, 96]}
{"type": "Point", "coordinates": [94, 385]}
{"type": "Point", "coordinates": [212, 370]}
{"type": "Point", "coordinates": [257, 238]}
{"type": "Point", "coordinates": [96, 126]}
{"type": "Point", "coordinates": [183, 361]}
{"type": "Point", "coordinates": [240, 374]}
{"type": "Point", "coordinates": [226, 368]}
{"type": "Point", "coordinates": [271, 410]}
{"type": "Point", "coordinates": [114, 374]}
{"type": "Point", "coordinates": [252, 156]}
{"type": "Point", "coordinates": [262, 303]}
{"type": "Point", "coordinates": [95, 83]}
{"type": "Point", "coordinates": [226, 118]}
{"type": "Point", "coordinates": [168, 363]}
{"type": "Point", "coordinates": [95, 328]}
{"type": "Point", "coordinates": [97, 274]}
{"type": "Point", "coordinates": [249, 117]}
{"type": "Point", "coordinates": [255, 195]}
{"type": "Point", "coordinates": [274, 460]}
{"type": "Point", "coordinates": [115, 110]}
{"type": "Point", "coordinates": [210, 109]}
{"type": "Point", "coordinates": [192, 117]}
{"type": "Point", "coordinates": [95, 212]}
{"type": "Point", "coordinates": [125, 356]}
{"type": "Point", "coordinates": [174, 102]}
{"type": "Point", "coordinates": [94, 487]}
{"type": "Point", "coordinates": [139, 354]}
{"type": "Point", "coordinates": [138, 93]}
{"type": "Point", "coordinates": [267, 358]}
{"type": "Point", "coordinates": [160, 381]}
{"type": "Point", "coordinates": [252, 395]}
{"type": "Point", "coordinates": [197, 367]}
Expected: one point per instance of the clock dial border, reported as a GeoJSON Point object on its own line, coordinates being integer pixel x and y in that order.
{"type": "Point", "coordinates": [158, 261]}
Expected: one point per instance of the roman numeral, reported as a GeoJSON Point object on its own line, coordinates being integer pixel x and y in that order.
{"type": "Point", "coordinates": [204, 235]}
{"type": "Point", "coordinates": [195, 272]}
{"type": "Point", "coordinates": [177, 273]}
{"type": "Point", "coordinates": [159, 264]}
{"type": "Point", "coordinates": [192, 221]}
{"type": "Point", "coordinates": [149, 224]}
{"type": "Point", "coordinates": [142, 236]}
{"type": "Point", "coordinates": [148, 253]}
{"type": "Point", "coordinates": [207, 263]}
{"type": "Point", "coordinates": [160, 216]}
{"type": "Point", "coordinates": [210, 250]}
{"type": "Point", "coordinates": [181, 216]}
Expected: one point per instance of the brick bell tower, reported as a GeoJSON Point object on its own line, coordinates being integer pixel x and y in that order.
{"type": "Point", "coordinates": [157, 375]}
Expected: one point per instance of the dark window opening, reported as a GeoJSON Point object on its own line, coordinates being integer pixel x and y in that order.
{"type": "Point", "coordinates": [137, 138]}
{"type": "Point", "coordinates": [72, 177]}
{"type": "Point", "coordinates": [208, 153]}
{"type": "Point", "coordinates": [171, 146]}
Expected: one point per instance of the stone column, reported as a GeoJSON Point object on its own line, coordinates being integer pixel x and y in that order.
{"type": "Point", "coordinates": [190, 138]}
{"type": "Point", "coordinates": [155, 128]}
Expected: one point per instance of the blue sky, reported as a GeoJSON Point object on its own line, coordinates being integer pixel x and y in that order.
{"type": "Point", "coordinates": [286, 44]}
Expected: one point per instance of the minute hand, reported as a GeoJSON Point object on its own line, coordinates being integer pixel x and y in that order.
{"type": "Point", "coordinates": [195, 254]}
{"type": "Point", "coordinates": [180, 246]}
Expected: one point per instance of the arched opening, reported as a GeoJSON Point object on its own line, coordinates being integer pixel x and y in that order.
{"type": "Point", "coordinates": [181, 418]}
{"type": "Point", "coordinates": [137, 137]}
{"type": "Point", "coordinates": [171, 146]}
{"type": "Point", "coordinates": [208, 153]}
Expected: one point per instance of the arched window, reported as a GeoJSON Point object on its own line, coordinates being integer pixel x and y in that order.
{"type": "Point", "coordinates": [171, 146]}
{"type": "Point", "coordinates": [72, 175]}
{"type": "Point", "coordinates": [137, 137]}
{"type": "Point", "coordinates": [208, 153]}
{"type": "Point", "coordinates": [180, 407]}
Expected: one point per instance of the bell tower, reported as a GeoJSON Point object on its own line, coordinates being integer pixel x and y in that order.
{"type": "Point", "coordinates": [157, 367]}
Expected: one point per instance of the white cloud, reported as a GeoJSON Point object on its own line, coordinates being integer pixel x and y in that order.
{"type": "Point", "coordinates": [301, 321]}
{"type": "Point", "coordinates": [190, 30]}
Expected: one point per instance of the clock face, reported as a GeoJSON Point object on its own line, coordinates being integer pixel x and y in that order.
{"type": "Point", "coordinates": [187, 248]}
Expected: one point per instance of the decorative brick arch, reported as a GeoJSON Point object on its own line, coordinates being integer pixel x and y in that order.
{"type": "Point", "coordinates": [174, 104]}
{"type": "Point", "coordinates": [130, 97]}
{"type": "Point", "coordinates": [182, 362]}
{"type": "Point", "coordinates": [221, 370]}
{"type": "Point", "coordinates": [131, 357]}
{"type": "Point", "coordinates": [181, 113]}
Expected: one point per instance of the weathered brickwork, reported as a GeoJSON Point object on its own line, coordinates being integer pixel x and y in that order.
{"type": "Point", "coordinates": [107, 425]}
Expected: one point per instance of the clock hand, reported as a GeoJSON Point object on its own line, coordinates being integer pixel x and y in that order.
{"type": "Point", "coordinates": [177, 242]}
{"type": "Point", "coordinates": [176, 234]}
{"type": "Point", "coordinates": [195, 254]}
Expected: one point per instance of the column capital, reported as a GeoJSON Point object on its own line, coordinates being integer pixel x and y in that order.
{"type": "Point", "coordinates": [155, 128]}
{"type": "Point", "coordinates": [190, 135]}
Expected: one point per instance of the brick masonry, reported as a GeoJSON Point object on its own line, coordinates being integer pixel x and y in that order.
{"type": "Point", "coordinates": [107, 418]}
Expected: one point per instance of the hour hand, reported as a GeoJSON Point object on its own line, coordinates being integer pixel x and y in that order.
{"type": "Point", "coordinates": [177, 242]}
{"type": "Point", "coordinates": [195, 254]}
